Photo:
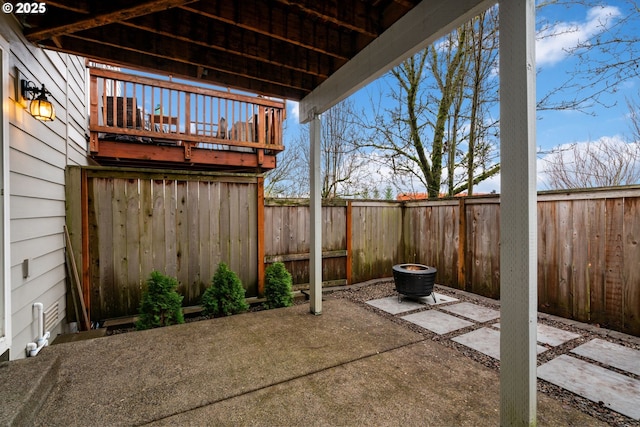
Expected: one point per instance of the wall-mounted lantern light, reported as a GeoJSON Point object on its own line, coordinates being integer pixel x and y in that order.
{"type": "Point", "coordinates": [40, 107]}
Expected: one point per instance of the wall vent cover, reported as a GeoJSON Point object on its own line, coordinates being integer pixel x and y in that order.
{"type": "Point", "coordinates": [51, 317]}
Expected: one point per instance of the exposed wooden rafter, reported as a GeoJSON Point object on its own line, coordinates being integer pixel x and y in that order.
{"type": "Point", "coordinates": [281, 26]}
{"type": "Point", "coordinates": [142, 60]}
{"type": "Point", "coordinates": [104, 18]}
{"type": "Point", "coordinates": [78, 6]}
{"type": "Point", "coordinates": [192, 32]}
{"type": "Point", "coordinates": [356, 22]}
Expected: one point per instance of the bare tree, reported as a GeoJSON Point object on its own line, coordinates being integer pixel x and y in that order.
{"type": "Point", "coordinates": [608, 162]}
{"type": "Point", "coordinates": [607, 56]}
{"type": "Point", "coordinates": [341, 163]}
{"type": "Point", "coordinates": [634, 118]}
{"type": "Point", "coordinates": [593, 164]}
{"type": "Point", "coordinates": [483, 52]}
{"type": "Point", "coordinates": [344, 167]}
{"type": "Point", "coordinates": [291, 176]}
{"type": "Point", "coordinates": [410, 138]}
{"type": "Point", "coordinates": [440, 121]}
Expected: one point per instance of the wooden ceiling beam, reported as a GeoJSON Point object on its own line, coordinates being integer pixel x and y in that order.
{"type": "Point", "coordinates": [358, 22]}
{"type": "Point", "coordinates": [281, 26]}
{"type": "Point", "coordinates": [77, 6]}
{"type": "Point", "coordinates": [143, 61]}
{"type": "Point", "coordinates": [407, 4]}
{"type": "Point", "coordinates": [391, 13]}
{"type": "Point", "coordinates": [104, 18]}
{"type": "Point", "coordinates": [169, 48]}
{"type": "Point", "coordinates": [130, 152]}
{"type": "Point", "coordinates": [193, 29]}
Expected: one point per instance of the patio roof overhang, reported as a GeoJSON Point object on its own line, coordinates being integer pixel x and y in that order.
{"type": "Point", "coordinates": [318, 53]}
{"type": "Point", "coordinates": [280, 48]}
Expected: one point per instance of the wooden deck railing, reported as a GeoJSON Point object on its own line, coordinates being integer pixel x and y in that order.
{"type": "Point", "coordinates": [143, 114]}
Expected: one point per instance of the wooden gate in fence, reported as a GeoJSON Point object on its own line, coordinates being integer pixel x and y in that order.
{"type": "Point", "coordinates": [124, 224]}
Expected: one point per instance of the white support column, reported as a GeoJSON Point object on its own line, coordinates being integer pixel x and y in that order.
{"type": "Point", "coordinates": [518, 214]}
{"type": "Point", "coordinates": [315, 206]}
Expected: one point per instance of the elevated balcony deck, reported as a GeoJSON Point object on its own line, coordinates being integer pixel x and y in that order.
{"type": "Point", "coordinates": [141, 121]}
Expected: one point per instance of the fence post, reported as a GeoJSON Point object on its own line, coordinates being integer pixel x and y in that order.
{"type": "Point", "coordinates": [349, 242]}
{"type": "Point", "coordinates": [86, 284]}
{"type": "Point", "coordinates": [462, 243]}
{"type": "Point", "coordinates": [260, 220]}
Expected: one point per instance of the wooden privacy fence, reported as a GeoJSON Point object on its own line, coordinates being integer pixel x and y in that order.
{"type": "Point", "coordinates": [124, 224]}
{"type": "Point", "coordinates": [588, 247]}
{"type": "Point", "coordinates": [361, 240]}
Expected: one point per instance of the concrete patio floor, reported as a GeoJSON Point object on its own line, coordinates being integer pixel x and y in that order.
{"type": "Point", "coordinates": [349, 366]}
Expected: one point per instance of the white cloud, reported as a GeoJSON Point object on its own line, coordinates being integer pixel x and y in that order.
{"type": "Point", "coordinates": [555, 42]}
{"type": "Point", "coordinates": [293, 110]}
{"type": "Point", "coordinates": [489, 185]}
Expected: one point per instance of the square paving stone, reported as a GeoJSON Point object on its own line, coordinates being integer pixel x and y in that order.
{"type": "Point", "coordinates": [391, 305]}
{"type": "Point", "coordinates": [473, 311]}
{"type": "Point", "coordinates": [486, 341]}
{"type": "Point", "coordinates": [615, 391]}
{"type": "Point", "coordinates": [611, 354]}
{"type": "Point", "coordinates": [437, 321]}
{"type": "Point", "coordinates": [440, 299]}
{"type": "Point", "coordinates": [554, 336]}
{"type": "Point", "coordinates": [551, 336]}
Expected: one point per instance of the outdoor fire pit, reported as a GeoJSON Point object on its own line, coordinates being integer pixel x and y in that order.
{"type": "Point", "coordinates": [414, 280]}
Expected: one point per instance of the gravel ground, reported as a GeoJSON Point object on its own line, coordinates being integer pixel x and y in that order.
{"type": "Point", "coordinates": [376, 289]}
{"type": "Point", "coordinates": [385, 288]}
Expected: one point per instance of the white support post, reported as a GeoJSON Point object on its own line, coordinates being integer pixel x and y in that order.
{"type": "Point", "coordinates": [315, 206]}
{"type": "Point", "coordinates": [518, 214]}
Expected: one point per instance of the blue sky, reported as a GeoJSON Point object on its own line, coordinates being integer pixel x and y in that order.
{"type": "Point", "coordinates": [553, 61]}
{"type": "Point", "coordinates": [556, 128]}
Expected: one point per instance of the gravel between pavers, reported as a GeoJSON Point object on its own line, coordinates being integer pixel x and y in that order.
{"type": "Point", "coordinates": [384, 288]}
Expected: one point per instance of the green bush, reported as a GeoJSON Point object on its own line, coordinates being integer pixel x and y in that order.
{"type": "Point", "coordinates": [277, 287]}
{"type": "Point", "coordinates": [161, 305]}
{"type": "Point", "coordinates": [225, 296]}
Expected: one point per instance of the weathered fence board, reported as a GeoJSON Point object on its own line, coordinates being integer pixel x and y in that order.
{"type": "Point", "coordinates": [184, 225]}
{"type": "Point", "coordinates": [483, 247]}
{"type": "Point", "coordinates": [287, 238]}
{"type": "Point", "coordinates": [614, 259]}
{"type": "Point", "coordinates": [376, 239]}
{"type": "Point", "coordinates": [596, 262]}
{"type": "Point", "coordinates": [547, 256]}
{"type": "Point", "coordinates": [631, 292]}
{"type": "Point", "coordinates": [431, 237]}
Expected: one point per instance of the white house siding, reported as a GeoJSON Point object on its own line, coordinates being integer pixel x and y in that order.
{"type": "Point", "coordinates": [38, 155]}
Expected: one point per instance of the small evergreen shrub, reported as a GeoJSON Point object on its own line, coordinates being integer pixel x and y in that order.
{"type": "Point", "coordinates": [277, 287]}
{"type": "Point", "coordinates": [225, 296]}
{"type": "Point", "coordinates": [161, 305]}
